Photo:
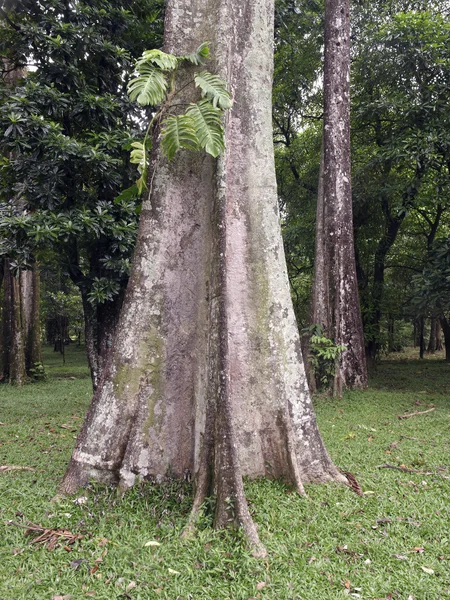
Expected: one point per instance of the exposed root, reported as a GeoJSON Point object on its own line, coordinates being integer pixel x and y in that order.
{"type": "Point", "coordinates": [415, 413]}
{"type": "Point", "coordinates": [353, 483]}
{"type": "Point", "coordinates": [5, 468]}
{"type": "Point", "coordinates": [291, 454]}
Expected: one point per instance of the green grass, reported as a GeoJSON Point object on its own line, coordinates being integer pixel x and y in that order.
{"type": "Point", "coordinates": [333, 544]}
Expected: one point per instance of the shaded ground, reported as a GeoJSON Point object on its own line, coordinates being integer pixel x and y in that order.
{"type": "Point", "coordinates": [393, 542]}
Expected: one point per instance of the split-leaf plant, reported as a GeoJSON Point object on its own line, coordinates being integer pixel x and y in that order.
{"type": "Point", "coordinates": [199, 127]}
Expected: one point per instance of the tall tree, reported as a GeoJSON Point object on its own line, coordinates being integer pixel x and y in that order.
{"type": "Point", "coordinates": [335, 303]}
{"type": "Point", "coordinates": [206, 374]}
{"type": "Point", "coordinates": [67, 126]}
{"type": "Point", "coordinates": [401, 89]}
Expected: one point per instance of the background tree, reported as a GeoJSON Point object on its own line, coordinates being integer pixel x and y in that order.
{"type": "Point", "coordinates": [335, 303]}
{"type": "Point", "coordinates": [68, 127]}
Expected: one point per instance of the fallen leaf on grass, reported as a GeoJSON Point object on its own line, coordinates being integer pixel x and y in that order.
{"type": "Point", "coordinates": [75, 564]}
{"type": "Point", "coordinates": [50, 538]}
{"type": "Point", "coordinates": [152, 543]}
{"type": "Point", "coordinates": [65, 597]}
{"type": "Point", "coordinates": [400, 556]}
{"type": "Point", "coordinates": [418, 549]}
{"type": "Point", "coordinates": [427, 570]}
{"type": "Point", "coordinates": [131, 585]}
{"type": "Point", "coordinates": [261, 585]}
{"type": "Point", "coordinates": [80, 500]}
{"type": "Point", "coordinates": [173, 572]}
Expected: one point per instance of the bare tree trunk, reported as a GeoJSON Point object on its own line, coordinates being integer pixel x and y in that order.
{"type": "Point", "coordinates": [422, 338]}
{"type": "Point", "coordinates": [439, 345]}
{"type": "Point", "coordinates": [446, 331]}
{"type": "Point", "coordinates": [90, 335]}
{"type": "Point", "coordinates": [100, 324]}
{"type": "Point", "coordinates": [335, 296]}
{"type": "Point", "coordinates": [433, 341]}
{"type": "Point", "coordinates": [30, 293]}
{"type": "Point", "coordinates": [206, 374]}
{"type": "Point", "coordinates": [13, 329]}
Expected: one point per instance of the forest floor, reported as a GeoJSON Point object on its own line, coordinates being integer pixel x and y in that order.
{"type": "Point", "coordinates": [392, 542]}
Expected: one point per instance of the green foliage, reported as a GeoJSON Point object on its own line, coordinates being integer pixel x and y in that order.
{"type": "Point", "coordinates": [200, 127]}
{"type": "Point", "coordinates": [38, 372]}
{"type": "Point", "coordinates": [150, 87]}
{"type": "Point", "coordinates": [207, 121]}
{"type": "Point", "coordinates": [214, 89]}
{"type": "Point", "coordinates": [432, 286]}
{"type": "Point", "coordinates": [179, 132]}
{"type": "Point", "coordinates": [69, 124]}
{"type": "Point", "coordinates": [323, 354]}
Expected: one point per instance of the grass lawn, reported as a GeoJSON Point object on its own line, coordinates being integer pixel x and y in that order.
{"type": "Point", "coordinates": [393, 542]}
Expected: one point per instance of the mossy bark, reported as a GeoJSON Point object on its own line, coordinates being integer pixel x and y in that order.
{"type": "Point", "coordinates": [206, 375]}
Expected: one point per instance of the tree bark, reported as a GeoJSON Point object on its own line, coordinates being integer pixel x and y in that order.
{"type": "Point", "coordinates": [446, 331]}
{"type": "Point", "coordinates": [335, 295]}
{"type": "Point", "coordinates": [100, 324]}
{"type": "Point", "coordinates": [433, 340]}
{"type": "Point", "coordinates": [13, 329]}
{"type": "Point", "coordinates": [206, 374]}
{"type": "Point", "coordinates": [30, 294]}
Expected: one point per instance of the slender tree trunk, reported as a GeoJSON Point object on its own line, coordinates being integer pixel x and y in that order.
{"type": "Point", "coordinates": [206, 374]}
{"type": "Point", "coordinates": [335, 296]}
{"type": "Point", "coordinates": [446, 331]}
{"type": "Point", "coordinates": [30, 293]}
{"type": "Point", "coordinates": [422, 337]}
{"type": "Point", "coordinates": [13, 329]}
{"type": "Point", "coordinates": [433, 342]}
{"type": "Point", "coordinates": [439, 345]}
{"type": "Point", "coordinates": [100, 324]}
{"type": "Point", "coordinates": [90, 339]}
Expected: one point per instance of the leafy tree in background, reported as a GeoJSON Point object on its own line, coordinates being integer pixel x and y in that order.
{"type": "Point", "coordinates": [400, 124]}
{"type": "Point", "coordinates": [68, 126]}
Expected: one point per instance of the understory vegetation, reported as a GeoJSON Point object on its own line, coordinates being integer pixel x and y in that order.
{"type": "Point", "coordinates": [392, 542]}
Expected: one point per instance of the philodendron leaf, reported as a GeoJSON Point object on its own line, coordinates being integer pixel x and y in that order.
{"type": "Point", "coordinates": [166, 62]}
{"type": "Point", "coordinates": [179, 132]}
{"type": "Point", "coordinates": [213, 88]}
{"type": "Point", "coordinates": [208, 126]}
{"type": "Point", "coordinates": [139, 157]}
{"type": "Point", "coordinates": [197, 57]}
{"type": "Point", "coordinates": [149, 88]}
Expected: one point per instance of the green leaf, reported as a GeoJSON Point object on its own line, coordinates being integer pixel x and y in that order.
{"type": "Point", "coordinates": [139, 157]}
{"type": "Point", "coordinates": [179, 132]}
{"type": "Point", "coordinates": [149, 88]}
{"type": "Point", "coordinates": [166, 62]}
{"type": "Point", "coordinates": [214, 88]}
{"type": "Point", "coordinates": [208, 126]}
{"type": "Point", "coordinates": [197, 57]}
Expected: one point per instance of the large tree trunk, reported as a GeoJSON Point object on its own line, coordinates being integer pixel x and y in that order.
{"type": "Point", "coordinates": [30, 293]}
{"type": "Point", "coordinates": [206, 374]}
{"type": "Point", "coordinates": [335, 296]}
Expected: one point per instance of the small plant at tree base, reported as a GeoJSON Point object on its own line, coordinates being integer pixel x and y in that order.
{"type": "Point", "coordinates": [38, 372]}
{"type": "Point", "coordinates": [323, 354]}
{"type": "Point", "coordinates": [199, 127]}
